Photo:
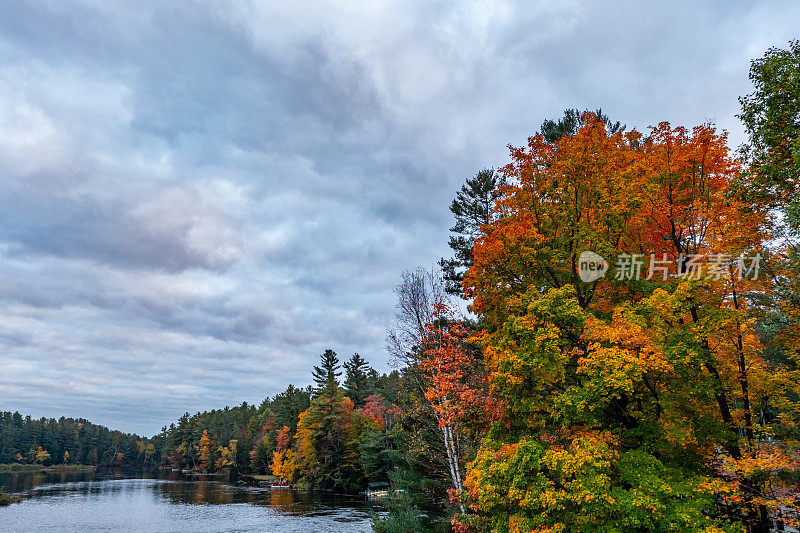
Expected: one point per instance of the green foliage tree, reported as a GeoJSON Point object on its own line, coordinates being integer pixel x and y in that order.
{"type": "Point", "coordinates": [356, 383]}
{"type": "Point", "coordinates": [571, 122]}
{"type": "Point", "coordinates": [69, 440]}
{"type": "Point", "coordinates": [471, 209]}
{"type": "Point", "coordinates": [327, 374]}
{"type": "Point", "coordinates": [288, 405]}
{"type": "Point", "coordinates": [771, 115]}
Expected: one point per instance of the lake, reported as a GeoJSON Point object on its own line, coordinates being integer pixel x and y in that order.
{"type": "Point", "coordinates": [173, 503]}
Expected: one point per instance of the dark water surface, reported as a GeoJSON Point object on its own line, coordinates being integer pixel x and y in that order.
{"type": "Point", "coordinates": [115, 503]}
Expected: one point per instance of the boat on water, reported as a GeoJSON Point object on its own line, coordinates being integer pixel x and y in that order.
{"type": "Point", "coordinates": [281, 485]}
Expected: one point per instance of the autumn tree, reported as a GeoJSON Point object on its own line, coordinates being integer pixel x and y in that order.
{"type": "Point", "coordinates": [473, 204]}
{"type": "Point", "coordinates": [282, 458]}
{"type": "Point", "coordinates": [375, 410]}
{"type": "Point", "coordinates": [326, 452]}
{"type": "Point", "coordinates": [227, 455]}
{"type": "Point", "coordinates": [378, 437]}
{"type": "Point", "coordinates": [454, 387]}
{"type": "Point", "coordinates": [424, 468]}
{"type": "Point", "coordinates": [37, 455]}
{"type": "Point", "coordinates": [146, 450]}
{"type": "Point", "coordinates": [205, 449]}
{"type": "Point", "coordinates": [561, 199]}
{"type": "Point", "coordinates": [626, 402]}
{"type": "Point", "coordinates": [705, 209]}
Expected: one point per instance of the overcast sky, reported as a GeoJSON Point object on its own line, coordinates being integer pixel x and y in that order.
{"type": "Point", "coordinates": [197, 199]}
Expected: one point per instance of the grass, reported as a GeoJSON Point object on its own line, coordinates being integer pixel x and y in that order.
{"type": "Point", "coordinates": [261, 477]}
{"type": "Point", "coordinates": [7, 499]}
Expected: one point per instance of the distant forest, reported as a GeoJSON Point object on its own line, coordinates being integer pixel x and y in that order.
{"type": "Point", "coordinates": [239, 439]}
{"type": "Point", "coordinates": [70, 441]}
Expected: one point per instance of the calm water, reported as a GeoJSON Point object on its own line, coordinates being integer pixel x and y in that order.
{"type": "Point", "coordinates": [85, 502]}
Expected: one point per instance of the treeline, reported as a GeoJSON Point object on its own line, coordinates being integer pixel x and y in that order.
{"type": "Point", "coordinates": [336, 435]}
{"type": "Point", "coordinates": [50, 441]}
{"type": "Point", "coordinates": [355, 426]}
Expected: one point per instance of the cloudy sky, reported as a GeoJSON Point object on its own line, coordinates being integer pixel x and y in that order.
{"type": "Point", "coordinates": [197, 198]}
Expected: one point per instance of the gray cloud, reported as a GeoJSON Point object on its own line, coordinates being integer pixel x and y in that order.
{"type": "Point", "coordinates": [197, 198]}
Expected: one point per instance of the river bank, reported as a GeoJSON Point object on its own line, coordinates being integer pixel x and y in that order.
{"type": "Point", "coordinates": [53, 469]}
{"type": "Point", "coordinates": [7, 499]}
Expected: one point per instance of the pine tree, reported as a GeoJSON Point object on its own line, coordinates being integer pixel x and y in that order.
{"type": "Point", "coordinates": [356, 381]}
{"type": "Point", "coordinates": [570, 123]}
{"type": "Point", "coordinates": [327, 374]}
{"type": "Point", "coordinates": [472, 208]}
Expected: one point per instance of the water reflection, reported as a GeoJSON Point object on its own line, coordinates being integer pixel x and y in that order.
{"type": "Point", "coordinates": [25, 481]}
{"type": "Point", "coordinates": [111, 501]}
{"type": "Point", "coordinates": [282, 499]}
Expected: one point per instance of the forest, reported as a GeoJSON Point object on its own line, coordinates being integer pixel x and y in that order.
{"type": "Point", "coordinates": [67, 441]}
{"type": "Point", "coordinates": [628, 360]}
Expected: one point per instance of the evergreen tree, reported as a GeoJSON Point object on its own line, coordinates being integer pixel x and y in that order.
{"type": "Point", "coordinates": [472, 208]}
{"type": "Point", "coordinates": [71, 441]}
{"type": "Point", "coordinates": [356, 381]}
{"type": "Point", "coordinates": [332, 438]}
{"type": "Point", "coordinates": [289, 404]}
{"type": "Point", "coordinates": [327, 374]}
{"type": "Point", "coordinates": [570, 123]}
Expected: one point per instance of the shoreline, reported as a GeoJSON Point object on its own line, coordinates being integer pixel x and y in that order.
{"type": "Point", "coordinates": [15, 467]}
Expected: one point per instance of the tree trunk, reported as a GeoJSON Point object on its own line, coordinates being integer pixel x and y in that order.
{"type": "Point", "coordinates": [452, 460]}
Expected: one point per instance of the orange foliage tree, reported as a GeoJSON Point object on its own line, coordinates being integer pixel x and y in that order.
{"type": "Point", "coordinates": [639, 400]}
{"type": "Point", "coordinates": [282, 457]}
{"type": "Point", "coordinates": [206, 448]}
{"type": "Point", "coordinates": [455, 387]}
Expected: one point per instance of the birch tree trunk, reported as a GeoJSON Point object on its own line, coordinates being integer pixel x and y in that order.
{"type": "Point", "coordinates": [452, 460]}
